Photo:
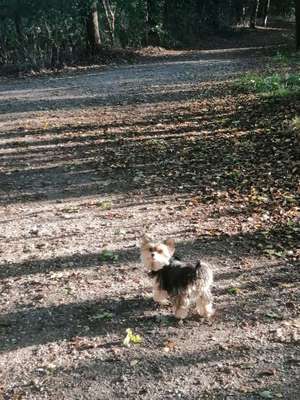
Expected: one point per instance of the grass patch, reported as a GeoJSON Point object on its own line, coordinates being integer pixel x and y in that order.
{"type": "Point", "coordinates": [296, 124]}
{"type": "Point", "coordinates": [286, 57]}
{"type": "Point", "coordinates": [275, 84]}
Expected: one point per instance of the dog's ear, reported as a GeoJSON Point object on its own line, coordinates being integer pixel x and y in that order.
{"type": "Point", "coordinates": [171, 245]}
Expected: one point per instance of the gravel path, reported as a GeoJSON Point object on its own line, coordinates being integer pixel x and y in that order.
{"type": "Point", "coordinates": [88, 162]}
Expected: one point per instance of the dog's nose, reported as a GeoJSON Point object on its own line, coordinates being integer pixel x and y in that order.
{"type": "Point", "coordinates": [152, 254]}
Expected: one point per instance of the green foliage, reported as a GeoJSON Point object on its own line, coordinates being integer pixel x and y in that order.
{"type": "Point", "coordinates": [296, 124]}
{"type": "Point", "coordinates": [41, 33]}
{"type": "Point", "coordinates": [234, 291]}
{"type": "Point", "coordinates": [286, 57]}
{"type": "Point", "coordinates": [270, 84]}
{"type": "Point", "coordinates": [51, 33]}
{"type": "Point", "coordinates": [130, 18]}
{"type": "Point", "coordinates": [107, 255]}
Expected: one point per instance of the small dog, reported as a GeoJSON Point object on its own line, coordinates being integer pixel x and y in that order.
{"type": "Point", "coordinates": [184, 284]}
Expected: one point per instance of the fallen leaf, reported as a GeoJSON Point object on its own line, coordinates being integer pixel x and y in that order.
{"type": "Point", "coordinates": [102, 315]}
{"type": "Point", "coordinates": [108, 255]}
{"type": "Point", "coordinates": [131, 338]}
{"type": "Point", "coordinates": [51, 367]}
{"type": "Point", "coordinates": [105, 205]}
{"type": "Point", "coordinates": [268, 372]}
{"type": "Point", "coordinates": [169, 345]}
{"type": "Point", "coordinates": [266, 394]}
{"type": "Point", "coordinates": [81, 343]}
{"type": "Point", "coordinates": [233, 290]}
{"type": "Point", "coordinates": [162, 319]}
{"type": "Point", "coordinates": [273, 315]}
{"type": "Point", "coordinates": [70, 210]}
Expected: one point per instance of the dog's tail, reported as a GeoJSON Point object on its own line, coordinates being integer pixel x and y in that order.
{"type": "Point", "coordinates": [204, 271]}
{"type": "Point", "coordinates": [198, 269]}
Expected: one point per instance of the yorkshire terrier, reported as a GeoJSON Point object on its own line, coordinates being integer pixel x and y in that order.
{"type": "Point", "coordinates": [182, 283]}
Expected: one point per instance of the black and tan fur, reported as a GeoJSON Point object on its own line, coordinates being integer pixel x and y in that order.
{"type": "Point", "coordinates": [182, 283]}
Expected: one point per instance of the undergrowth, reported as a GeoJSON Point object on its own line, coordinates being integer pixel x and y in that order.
{"type": "Point", "coordinates": [270, 84]}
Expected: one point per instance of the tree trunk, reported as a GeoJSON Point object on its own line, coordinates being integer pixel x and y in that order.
{"type": "Point", "coordinates": [151, 16]}
{"type": "Point", "coordinates": [92, 25]}
{"type": "Point", "coordinates": [123, 29]}
{"type": "Point", "coordinates": [244, 16]}
{"type": "Point", "coordinates": [266, 12]}
{"type": "Point", "coordinates": [253, 13]}
{"type": "Point", "coordinates": [237, 12]}
{"type": "Point", "coordinates": [297, 8]}
{"type": "Point", "coordinates": [110, 18]}
{"type": "Point", "coordinates": [169, 19]}
{"type": "Point", "coordinates": [18, 25]}
{"type": "Point", "coordinates": [23, 54]}
{"type": "Point", "coordinates": [147, 28]}
{"type": "Point", "coordinates": [55, 56]}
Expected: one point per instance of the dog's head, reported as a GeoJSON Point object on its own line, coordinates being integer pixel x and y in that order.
{"type": "Point", "coordinates": [156, 255]}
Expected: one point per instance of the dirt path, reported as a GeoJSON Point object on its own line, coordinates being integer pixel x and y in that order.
{"type": "Point", "coordinates": [90, 161]}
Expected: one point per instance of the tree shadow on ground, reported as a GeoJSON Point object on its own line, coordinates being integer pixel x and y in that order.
{"type": "Point", "coordinates": [63, 322]}
{"type": "Point", "coordinates": [148, 85]}
{"type": "Point", "coordinates": [120, 99]}
{"type": "Point", "coordinates": [77, 261]}
{"type": "Point", "coordinates": [210, 156]}
{"type": "Point", "coordinates": [232, 247]}
{"type": "Point", "coordinates": [40, 325]}
{"type": "Point", "coordinates": [152, 375]}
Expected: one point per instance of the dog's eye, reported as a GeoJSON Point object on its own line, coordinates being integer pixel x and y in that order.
{"type": "Point", "coordinates": [151, 249]}
{"type": "Point", "coordinates": [159, 251]}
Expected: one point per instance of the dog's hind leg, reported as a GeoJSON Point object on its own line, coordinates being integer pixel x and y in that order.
{"type": "Point", "coordinates": [204, 304]}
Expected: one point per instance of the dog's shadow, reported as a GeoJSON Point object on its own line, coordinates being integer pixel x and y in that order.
{"type": "Point", "coordinates": [100, 318]}
{"type": "Point", "coordinates": [141, 310]}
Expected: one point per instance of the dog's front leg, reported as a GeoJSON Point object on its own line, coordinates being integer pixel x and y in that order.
{"type": "Point", "coordinates": [181, 306]}
{"type": "Point", "coordinates": [160, 296]}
